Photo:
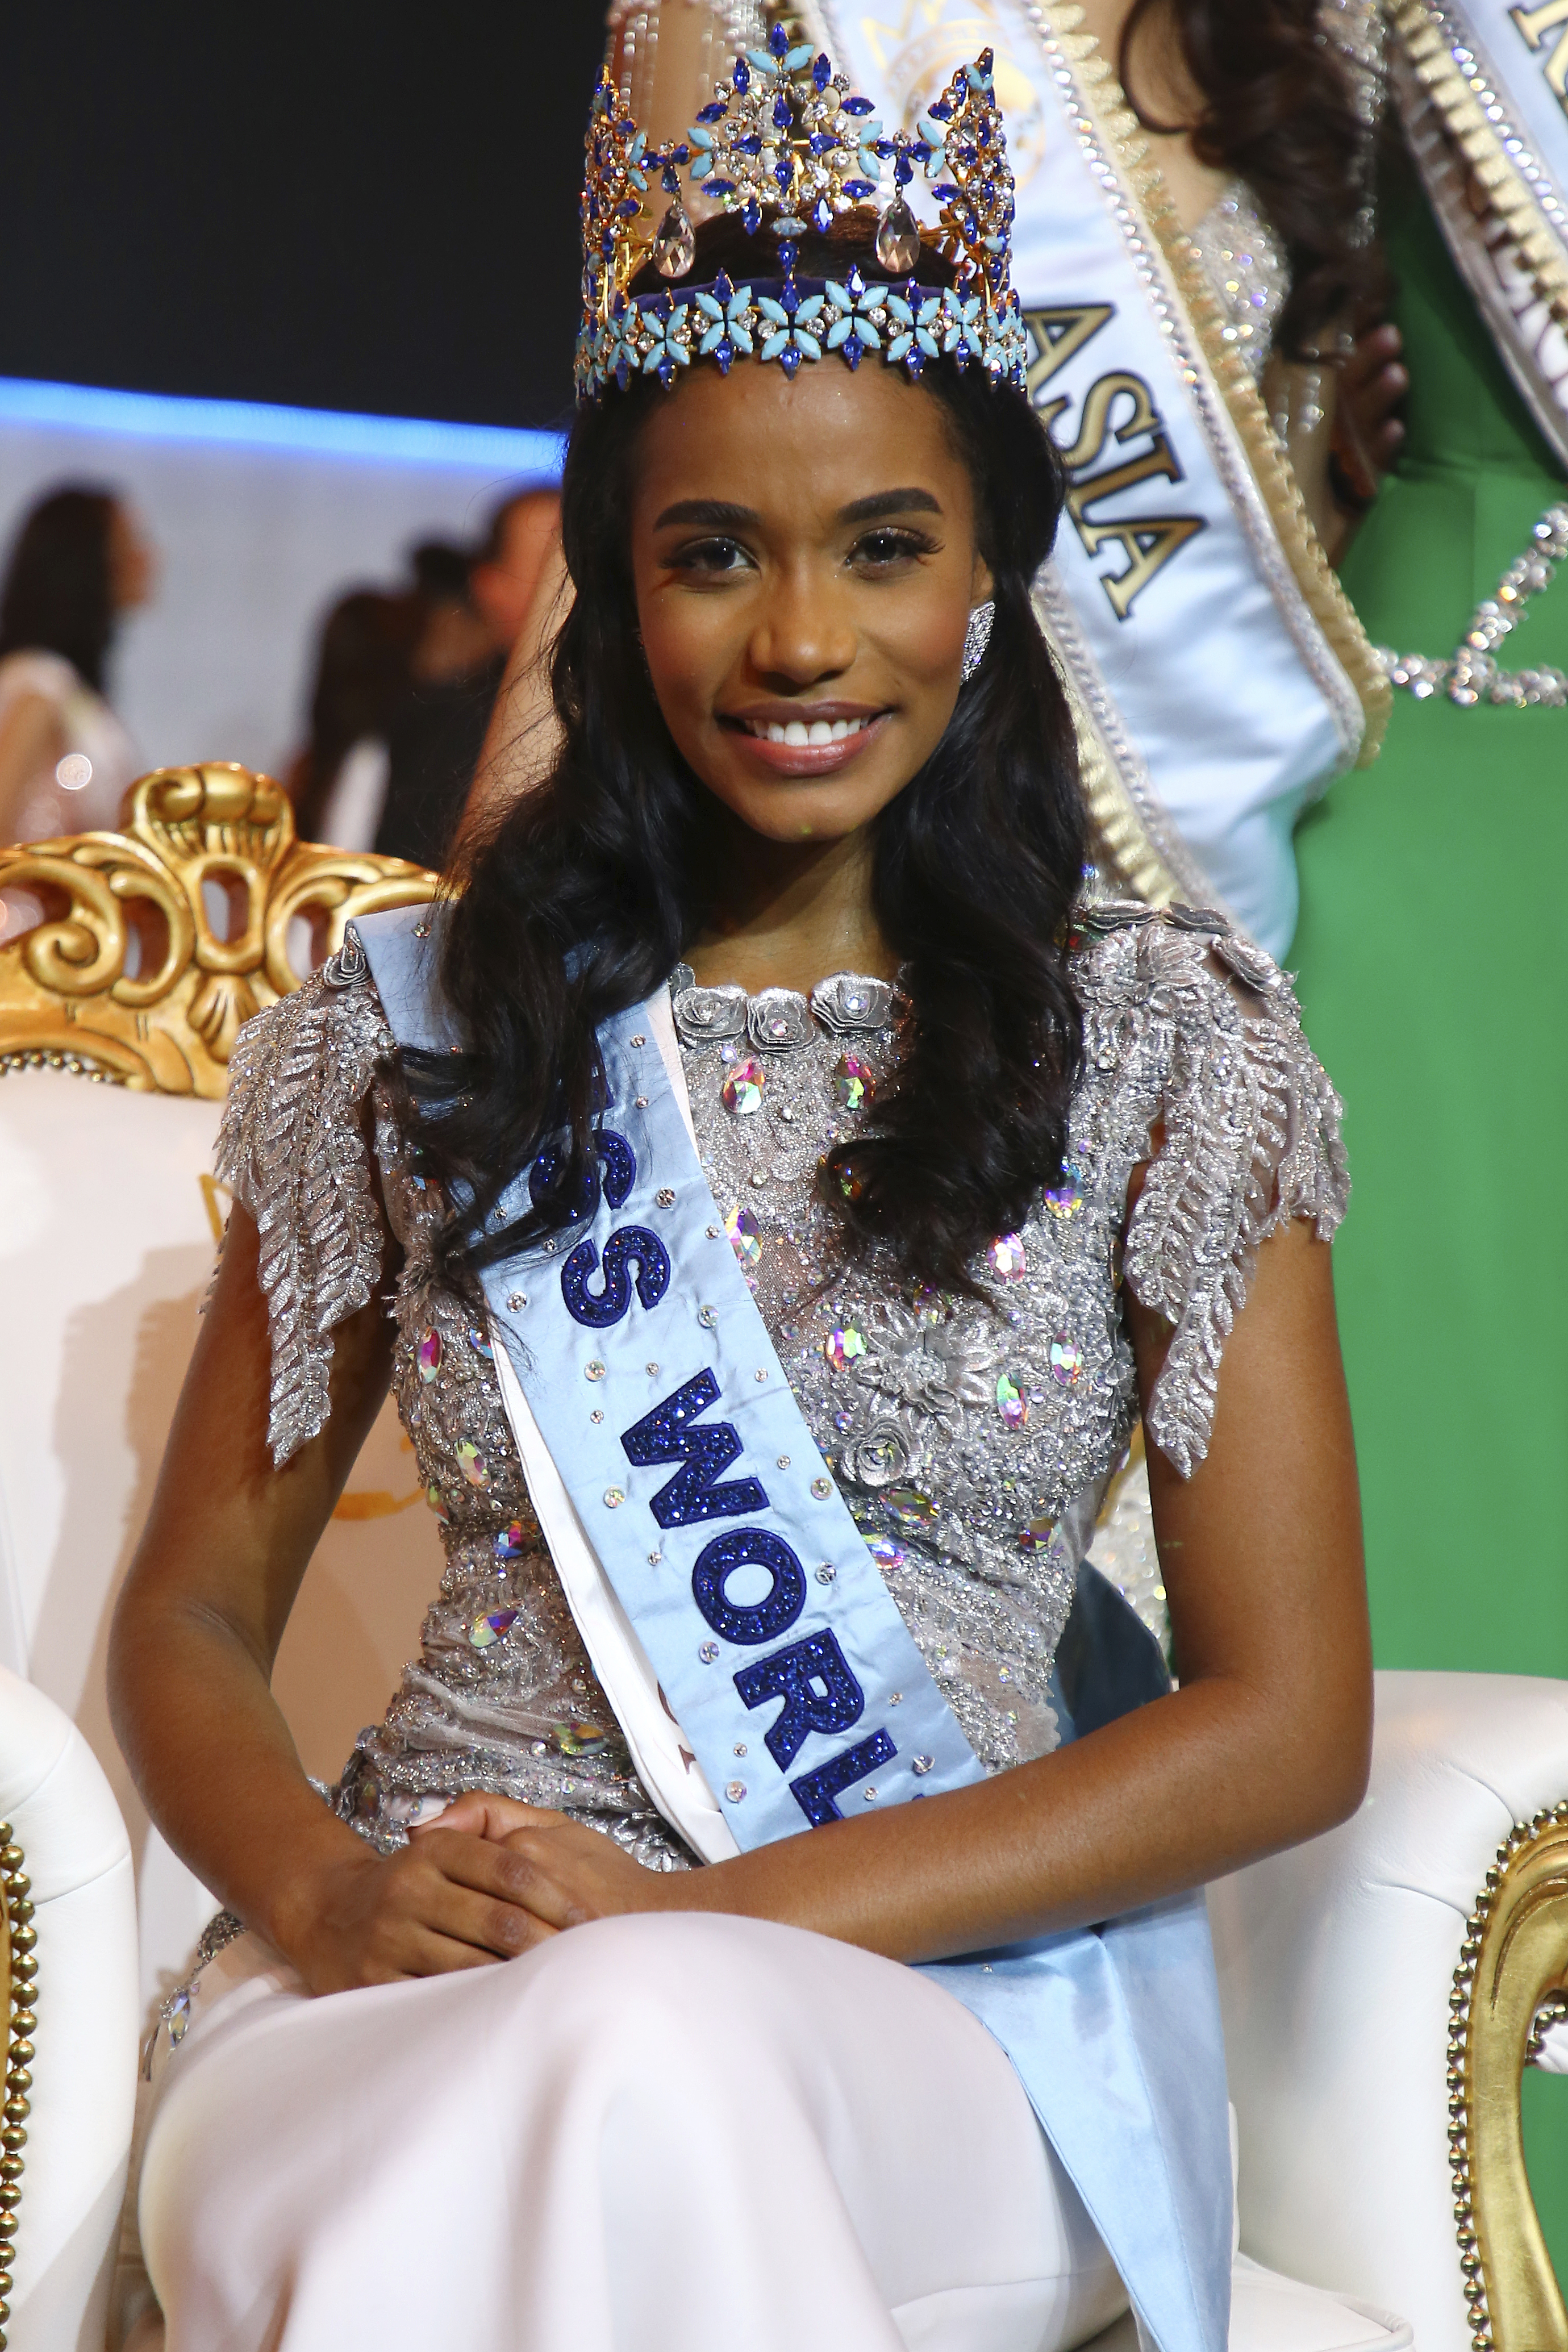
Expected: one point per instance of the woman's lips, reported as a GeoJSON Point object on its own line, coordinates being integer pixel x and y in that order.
{"type": "Point", "coordinates": [769, 745]}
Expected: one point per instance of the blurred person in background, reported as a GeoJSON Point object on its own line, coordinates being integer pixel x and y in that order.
{"type": "Point", "coordinates": [438, 723]}
{"type": "Point", "coordinates": [474, 620]}
{"type": "Point", "coordinates": [517, 552]}
{"type": "Point", "coordinates": [338, 783]}
{"type": "Point", "coordinates": [80, 561]}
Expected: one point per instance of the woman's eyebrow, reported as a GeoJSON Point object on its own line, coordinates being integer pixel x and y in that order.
{"type": "Point", "coordinates": [889, 502]}
{"type": "Point", "coordinates": [720, 514]}
{"type": "Point", "coordinates": [711, 514]}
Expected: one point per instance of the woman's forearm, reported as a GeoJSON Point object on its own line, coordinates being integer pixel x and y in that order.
{"type": "Point", "coordinates": [226, 1548]}
{"type": "Point", "coordinates": [228, 1792]}
{"type": "Point", "coordinates": [1176, 1793]}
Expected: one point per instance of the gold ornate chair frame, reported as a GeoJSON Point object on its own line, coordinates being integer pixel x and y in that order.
{"type": "Point", "coordinates": [126, 976]}
{"type": "Point", "coordinates": [18, 1994]}
{"type": "Point", "coordinates": [1513, 1963]}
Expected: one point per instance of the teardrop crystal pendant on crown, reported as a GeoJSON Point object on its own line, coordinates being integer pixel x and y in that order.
{"type": "Point", "coordinates": [898, 240]}
{"type": "Point", "coordinates": [675, 246]}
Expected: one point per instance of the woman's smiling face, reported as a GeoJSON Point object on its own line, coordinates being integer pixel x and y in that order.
{"type": "Point", "coordinates": [805, 561]}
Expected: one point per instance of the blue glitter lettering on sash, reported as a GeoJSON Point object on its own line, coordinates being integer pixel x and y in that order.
{"type": "Point", "coordinates": [666, 1435]}
{"type": "Point", "coordinates": [627, 1245]}
{"type": "Point", "coordinates": [815, 1793]}
{"type": "Point", "coordinates": [762, 1621]}
{"type": "Point", "coordinates": [620, 1173]}
{"type": "Point", "coordinates": [795, 1675]}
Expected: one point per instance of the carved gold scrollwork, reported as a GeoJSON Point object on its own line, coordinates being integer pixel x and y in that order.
{"type": "Point", "coordinates": [1515, 1953]}
{"type": "Point", "coordinates": [157, 943]}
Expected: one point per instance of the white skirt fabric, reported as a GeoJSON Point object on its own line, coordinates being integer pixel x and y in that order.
{"type": "Point", "coordinates": [676, 2133]}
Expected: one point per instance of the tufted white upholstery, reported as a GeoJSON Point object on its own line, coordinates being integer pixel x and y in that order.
{"type": "Point", "coordinates": [64, 1819]}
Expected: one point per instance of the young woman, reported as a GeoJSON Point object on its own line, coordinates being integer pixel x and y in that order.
{"type": "Point", "coordinates": [80, 561]}
{"type": "Point", "coordinates": [774, 1206]}
{"type": "Point", "coordinates": [1193, 252]}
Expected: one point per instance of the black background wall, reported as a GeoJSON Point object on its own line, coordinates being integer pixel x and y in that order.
{"type": "Point", "coordinates": [369, 207]}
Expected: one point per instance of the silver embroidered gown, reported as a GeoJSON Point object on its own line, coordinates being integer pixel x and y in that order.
{"type": "Point", "coordinates": [973, 1439]}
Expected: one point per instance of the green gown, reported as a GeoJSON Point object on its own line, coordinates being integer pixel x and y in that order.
{"type": "Point", "coordinates": [1435, 986]}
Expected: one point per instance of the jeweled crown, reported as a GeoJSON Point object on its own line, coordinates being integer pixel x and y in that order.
{"type": "Point", "coordinates": [786, 143]}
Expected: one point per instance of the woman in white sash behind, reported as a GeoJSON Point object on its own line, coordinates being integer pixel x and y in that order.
{"type": "Point", "coordinates": [776, 1199]}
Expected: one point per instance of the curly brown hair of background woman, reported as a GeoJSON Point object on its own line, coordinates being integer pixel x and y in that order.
{"type": "Point", "coordinates": [1278, 111]}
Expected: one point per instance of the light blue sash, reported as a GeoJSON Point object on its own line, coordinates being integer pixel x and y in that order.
{"type": "Point", "coordinates": [650, 1373]}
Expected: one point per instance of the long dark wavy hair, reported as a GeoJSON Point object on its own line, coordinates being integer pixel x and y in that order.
{"type": "Point", "coordinates": [587, 892]}
{"type": "Point", "coordinates": [1278, 110]}
{"type": "Point", "coordinates": [58, 595]}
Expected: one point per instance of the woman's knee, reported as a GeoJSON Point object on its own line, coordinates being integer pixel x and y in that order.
{"type": "Point", "coordinates": [651, 1997]}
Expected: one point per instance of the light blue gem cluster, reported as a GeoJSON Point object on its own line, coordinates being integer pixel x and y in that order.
{"type": "Point", "coordinates": [786, 142]}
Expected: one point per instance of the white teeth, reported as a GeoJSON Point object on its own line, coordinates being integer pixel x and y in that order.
{"type": "Point", "coordinates": [820, 730]}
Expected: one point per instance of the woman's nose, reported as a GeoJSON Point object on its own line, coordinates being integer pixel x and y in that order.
{"type": "Point", "coordinates": [805, 630]}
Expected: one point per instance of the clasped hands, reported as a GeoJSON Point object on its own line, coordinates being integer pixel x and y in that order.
{"type": "Point", "coordinates": [485, 1881]}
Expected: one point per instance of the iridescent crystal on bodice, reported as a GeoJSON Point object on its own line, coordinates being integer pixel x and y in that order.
{"type": "Point", "coordinates": [1246, 270]}
{"type": "Point", "coordinates": [972, 1438]}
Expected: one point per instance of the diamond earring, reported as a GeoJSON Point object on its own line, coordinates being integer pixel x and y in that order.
{"type": "Point", "coordinates": [977, 637]}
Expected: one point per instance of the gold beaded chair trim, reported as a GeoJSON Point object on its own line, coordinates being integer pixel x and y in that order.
{"type": "Point", "coordinates": [18, 1999]}
{"type": "Point", "coordinates": [1507, 1985]}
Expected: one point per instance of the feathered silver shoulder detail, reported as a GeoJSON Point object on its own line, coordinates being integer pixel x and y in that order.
{"type": "Point", "coordinates": [292, 1146]}
{"type": "Point", "coordinates": [1190, 1024]}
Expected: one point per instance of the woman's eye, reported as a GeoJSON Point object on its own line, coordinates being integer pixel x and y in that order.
{"type": "Point", "coordinates": [879, 548]}
{"type": "Point", "coordinates": [709, 555]}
